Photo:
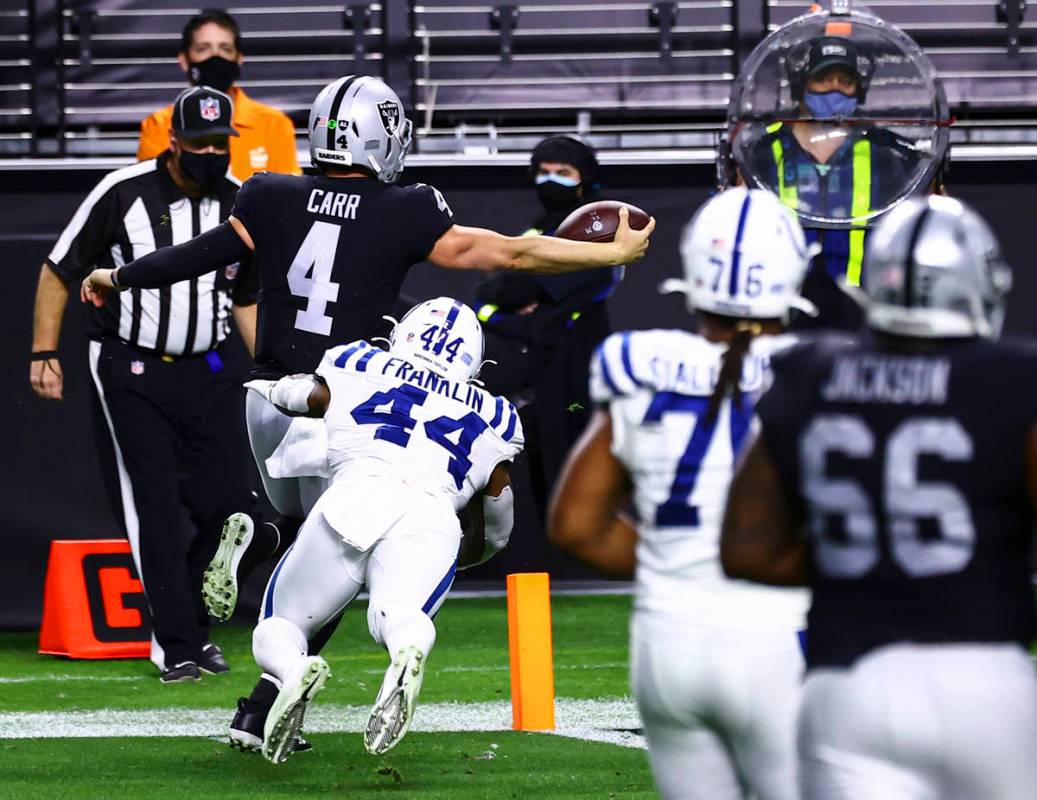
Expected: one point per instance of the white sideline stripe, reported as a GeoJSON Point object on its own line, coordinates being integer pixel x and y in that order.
{"type": "Point", "coordinates": [50, 677]}
{"type": "Point", "coordinates": [506, 668]}
{"type": "Point", "coordinates": [607, 721]}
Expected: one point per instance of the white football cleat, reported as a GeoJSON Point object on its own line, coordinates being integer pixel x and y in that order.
{"type": "Point", "coordinates": [220, 582]}
{"type": "Point", "coordinates": [283, 723]}
{"type": "Point", "coordinates": [393, 711]}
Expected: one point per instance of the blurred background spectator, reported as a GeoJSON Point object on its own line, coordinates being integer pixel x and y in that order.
{"type": "Point", "coordinates": [210, 55]}
{"type": "Point", "coordinates": [545, 328]}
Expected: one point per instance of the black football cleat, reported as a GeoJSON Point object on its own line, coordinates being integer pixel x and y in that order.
{"type": "Point", "coordinates": [212, 660]}
{"type": "Point", "coordinates": [181, 673]}
{"type": "Point", "coordinates": [246, 729]}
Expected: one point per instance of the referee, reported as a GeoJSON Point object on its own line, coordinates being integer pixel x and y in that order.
{"type": "Point", "coordinates": [172, 413]}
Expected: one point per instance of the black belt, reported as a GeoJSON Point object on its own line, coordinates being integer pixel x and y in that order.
{"type": "Point", "coordinates": [166, 357]}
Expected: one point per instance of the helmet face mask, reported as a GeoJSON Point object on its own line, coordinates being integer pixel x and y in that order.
{"type": "Point", "coordinates": [934, 269]}
{"type": "Point", "coordinates": [744, 256]}
{"type": "Point", "coordinates": [358, 121]}
{"type": "Point", "coordinates": [443, 336]}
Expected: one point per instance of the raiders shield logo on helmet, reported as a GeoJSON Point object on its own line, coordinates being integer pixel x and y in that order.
{"type": "Point", "coordinates": [389, 111]}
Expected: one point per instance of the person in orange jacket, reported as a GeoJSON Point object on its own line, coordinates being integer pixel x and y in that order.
{"type": "Point", "coordinates": [210, 54]}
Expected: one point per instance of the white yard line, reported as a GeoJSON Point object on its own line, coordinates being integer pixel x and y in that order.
{"type": "Point", "coordinates": [506, 668]}
{"type": "Point", "coordinates": [595, 720]}
{"type": "Point", "coordinates": [51, 677]}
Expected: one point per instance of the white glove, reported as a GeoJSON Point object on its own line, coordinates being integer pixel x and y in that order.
{"type": "Point", "coordinates": [291, 393]}
{"type": "Point", "coordinates": [261, 387]}
{"type": "Point", "coordinates": [499, 513]}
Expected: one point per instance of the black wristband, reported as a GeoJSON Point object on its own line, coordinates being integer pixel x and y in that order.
{"type": "Point", "coordinates": [113, 277]}
{"type": "Point", "coordinates": [43, 355]}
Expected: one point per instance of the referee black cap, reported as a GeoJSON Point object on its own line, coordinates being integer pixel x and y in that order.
{"type": "Point", "coordinates": [203, 111]}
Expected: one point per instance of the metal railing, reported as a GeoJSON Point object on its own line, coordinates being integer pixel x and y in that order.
{"type": "Point", "coordinates": [19, 117]}
{"type": "Point", "coordinates": [480, 77]}
{"type": "Point", "coordinates": [115, 66]}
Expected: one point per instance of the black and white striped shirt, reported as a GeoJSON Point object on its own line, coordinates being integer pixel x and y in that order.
{"type": "Point", "coordinates": [130, 213]}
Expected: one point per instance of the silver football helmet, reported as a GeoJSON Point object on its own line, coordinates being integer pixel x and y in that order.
{"type": "Point", "coordinates": [934, 269]}
{"type": "Point", "coordinates": [359, 121]}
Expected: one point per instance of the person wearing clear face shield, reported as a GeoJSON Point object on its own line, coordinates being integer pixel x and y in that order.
{"type": "Point", "coordinates": [834, 170]}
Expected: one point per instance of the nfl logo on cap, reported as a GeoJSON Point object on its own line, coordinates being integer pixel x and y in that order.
{"type": "Point", "coordinates": [137, 367]}
{"type": "Point", "coordinates": [210, 108]}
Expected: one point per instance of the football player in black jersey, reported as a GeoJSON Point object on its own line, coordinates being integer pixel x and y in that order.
{"type": "Point", "coordinates": [896, 474]}
{"type": "Point", "coordinates": [332, 251]}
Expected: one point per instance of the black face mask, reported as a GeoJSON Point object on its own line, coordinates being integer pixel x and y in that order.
{"type": "Point", "coordinates": [204, 170]}
{"type": "Point", "coordinates": [555, 197]}
{"type": "Point", "coordinates": [217, 72]}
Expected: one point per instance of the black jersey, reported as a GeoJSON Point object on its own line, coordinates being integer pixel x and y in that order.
{"type": "Point", "coordinates": [909, 473]}
{"type": "Point", "coordinates": [332, 254]}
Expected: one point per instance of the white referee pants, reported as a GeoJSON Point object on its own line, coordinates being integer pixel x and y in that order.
{"type": "Point", "coordinates": [922, 722]}
{"type": "Point", "coordinates": [407, 572]}
{"type": "Point", "coordinates": [718, 708]}
{"type": "Point", "coordinates": [267, 426]}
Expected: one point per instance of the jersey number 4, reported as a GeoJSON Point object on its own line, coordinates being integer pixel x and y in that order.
{"type": "Point", "coordinates": [391, 412]}
{"type": "Point", "coordinates": [309, 277]}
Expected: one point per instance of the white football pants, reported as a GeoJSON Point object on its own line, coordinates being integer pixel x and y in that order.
{"type": "Point", "coordinates": [267, 426]}
{"type": "Point", "coordinates": [922, 722]}
{"type": "Point", "coordinates": [407, 572]}
{"type": "Point", "coordinates": [718, 708]}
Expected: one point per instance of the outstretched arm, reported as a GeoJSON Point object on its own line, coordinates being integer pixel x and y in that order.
{"type": "Point", "coordinates": [478, 248]}
{"type": "Point", "coordinates": [586, 516]}
{"type": "Point", "coordinates": [295, 395]}
{"type": "Point", "coordinates": [759, 540]}
{"type": "Point", "coordinates": [223, 245]}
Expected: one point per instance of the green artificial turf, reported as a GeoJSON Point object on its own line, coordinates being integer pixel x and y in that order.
{"type": "Point", "coordinates": [468, 664]}
{"type": "Point", "coordinates": [425, 765]}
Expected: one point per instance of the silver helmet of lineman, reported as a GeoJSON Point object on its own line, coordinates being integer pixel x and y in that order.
{"type": "Point", "coordinates": [934, 269]}
{"type": "Point", "coordinates": [358, 121]}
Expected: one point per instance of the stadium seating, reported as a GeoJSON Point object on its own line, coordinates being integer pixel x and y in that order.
{"type": "Point", "coordinates": [17, 96]}
{"type": "Point", "coordinates": [118, 64]}
{"type": "Point", "coordinates": [479, 75]}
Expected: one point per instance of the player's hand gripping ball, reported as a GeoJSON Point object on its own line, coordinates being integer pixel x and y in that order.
{"type": "Point", "coordinates": [627, 226]}
{"type": "Point", "coordinates": [597, 222]}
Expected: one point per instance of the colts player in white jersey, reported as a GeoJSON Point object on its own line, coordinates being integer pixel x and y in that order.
{"type": "Point", "coordinates": [411, 440]}
{"type": "Point", "coordinates": [716, 663]}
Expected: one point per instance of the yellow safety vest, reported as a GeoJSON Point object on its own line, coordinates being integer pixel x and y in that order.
{"type": "Point", "coordinates": [860, 199]}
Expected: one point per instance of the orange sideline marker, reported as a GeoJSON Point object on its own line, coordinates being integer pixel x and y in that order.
{"type": "Point", "coordinates": [93, 602]}
{"type": "Point", "coordinates": [532, 657]}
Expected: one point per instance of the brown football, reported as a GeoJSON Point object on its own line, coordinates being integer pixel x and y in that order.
{"type": "Point", "coordinates": [597, 222]}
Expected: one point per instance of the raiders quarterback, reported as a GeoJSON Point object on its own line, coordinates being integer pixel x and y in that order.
{"type": "Point", "coordinates": [907, 456]}
{"type": "Point", "coordinates": [332, 251]}
{"type": "Point", "coordinates": [411, 440]}
{"type": "Point", "coordinates": [716, 664]}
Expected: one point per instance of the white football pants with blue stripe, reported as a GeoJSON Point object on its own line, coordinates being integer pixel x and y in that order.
{"type": "Point", "coordinates": [718, 707]}
{"type": "Point", "coordinates": [407, 572]}
{"type": "Point", "coordinates": [922, 722]}
{"type": "Point", "coordinates": [267, 427]}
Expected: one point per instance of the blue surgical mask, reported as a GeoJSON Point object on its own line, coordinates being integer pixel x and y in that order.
{"type": "Point", "coordinates": [827, 105]}
{"type": "Point", "coordinates": [561, 180]}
